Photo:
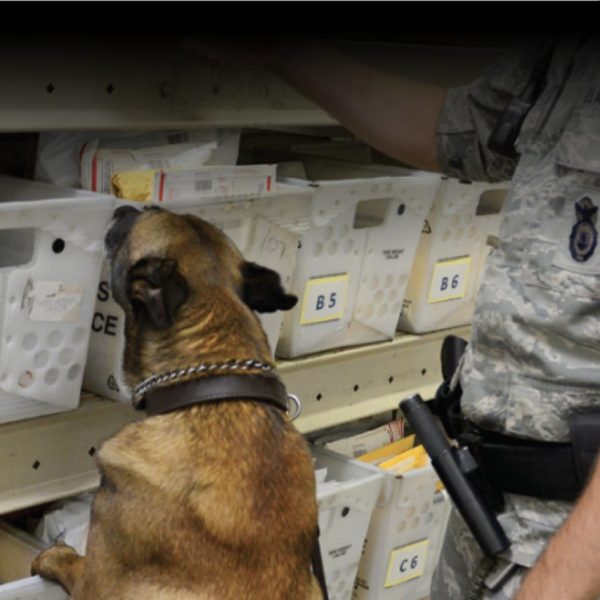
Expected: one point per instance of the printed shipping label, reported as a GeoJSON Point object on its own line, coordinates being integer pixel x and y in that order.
{"type": "Point", "coordinates": [407, 563]}
{"type": "Point", "coordinates": [449, 280]}
{"type": "Point", "coordinates": [324, 299]}
{"type": "Point", "coordinates": [170, 186]}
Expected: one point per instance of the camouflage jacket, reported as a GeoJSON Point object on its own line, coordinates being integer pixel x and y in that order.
{"type": "Point", "coordinates": [534, 356]}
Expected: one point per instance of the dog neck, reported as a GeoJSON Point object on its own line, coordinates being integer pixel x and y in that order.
{"type": "Point", "coordinates": [202, 333]}
{"type": "Point", "coordinates": [167, 395]}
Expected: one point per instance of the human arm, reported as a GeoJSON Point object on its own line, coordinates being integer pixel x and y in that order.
{"type": "Point", "coordinates": [395, 115]}
{"type": "Point", "coordinates": [569, 568]}
{"type": "Point", "coordinates": [419, 124]}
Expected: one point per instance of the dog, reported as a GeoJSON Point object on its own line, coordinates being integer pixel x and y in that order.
{"type": "Point", "coordinates": [212, 501]}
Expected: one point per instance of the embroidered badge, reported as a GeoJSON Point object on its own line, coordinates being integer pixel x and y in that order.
{"type": "Point", "coordinates": [584, 236]}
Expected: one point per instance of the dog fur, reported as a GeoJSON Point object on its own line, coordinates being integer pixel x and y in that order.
{"type": "Point", "coordinates": [212, 502]}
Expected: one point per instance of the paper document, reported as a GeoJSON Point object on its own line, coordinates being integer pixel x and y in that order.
{"type": "Point", "coordinates": [357, 445]}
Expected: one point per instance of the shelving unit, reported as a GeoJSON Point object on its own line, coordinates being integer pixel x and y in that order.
{"type": "Point", "coordinates": [119, 84]}
{"type": "Point", "coordinates": [52, 457]}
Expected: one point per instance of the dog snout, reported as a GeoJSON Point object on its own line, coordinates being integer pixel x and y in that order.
{"type": "Point", "coordinates": [123, 219]}
{"type": "Point", "coordinates": [123, 211]}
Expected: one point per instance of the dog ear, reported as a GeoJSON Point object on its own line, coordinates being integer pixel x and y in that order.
{"type": "Point", "coordinates": [157, 289]}
{"type": "Point", "coordinates": [262, 289]}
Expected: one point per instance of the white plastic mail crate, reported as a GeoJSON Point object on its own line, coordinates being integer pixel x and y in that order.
{"type": "Point", "coordinates": [51, 247]}
{"type": "Point", "coordinates": [344, 515]}
{"type": "Point", "coordinates": [17, 551]}
{"type": "Point", "coordinates": [405, 538]}
{"type": "Point", "coordinates": [451, 255]}
{"type": "Point", "coordinates": [354, 261]}
{"type": "Point", "coordinates": [263, 227]}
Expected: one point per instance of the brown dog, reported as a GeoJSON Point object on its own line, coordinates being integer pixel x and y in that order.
{"type": "Point", "coordinates": [214, 501]}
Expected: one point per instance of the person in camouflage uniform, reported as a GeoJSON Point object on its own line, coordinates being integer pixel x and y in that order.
{"type": "Point", "coordinates": [534, 355]}
{"type": "Point", "coordinates": [535, 346]}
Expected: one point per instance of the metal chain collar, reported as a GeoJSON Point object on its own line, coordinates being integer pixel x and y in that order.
{"type": "Point", "coordinates": [154, 381]}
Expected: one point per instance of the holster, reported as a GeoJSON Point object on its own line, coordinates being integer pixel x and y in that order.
{"type": "Point", "coordinates": [446, 403]}
{"type": "Point", "coordinates": [446, 406]}
{"type": "Point", "coordinates": [507, 464]}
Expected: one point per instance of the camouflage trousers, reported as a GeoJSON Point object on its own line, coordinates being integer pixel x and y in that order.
{"type": "Point", "coordinates": [464, 573]}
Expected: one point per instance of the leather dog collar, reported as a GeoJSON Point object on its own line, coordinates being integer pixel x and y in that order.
{"type": "Point", "coordinates": [161, 400]}
{"type": "Point", "coordinates": [205, 368]}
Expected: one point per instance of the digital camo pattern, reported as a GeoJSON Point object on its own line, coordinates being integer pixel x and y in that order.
{"type": "Point", "coordinates": [463, 568]}
{"type": "Point", "coordinates": [534, 356]}
{"type": "Point", "coordinates": [529, 523]}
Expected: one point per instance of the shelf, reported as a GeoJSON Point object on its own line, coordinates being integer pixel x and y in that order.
{"type": "Point", "coordinates": [52, 457]}
{"type": "Point", "coordinates": [383, 374]}
{"type": "Point", "coordinates": [104, 84]}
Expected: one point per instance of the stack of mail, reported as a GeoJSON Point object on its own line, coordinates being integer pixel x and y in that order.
{"type": "Point", "coordinates": [366, 441]}
{"type": "Point", "coordinates": [399, 457]}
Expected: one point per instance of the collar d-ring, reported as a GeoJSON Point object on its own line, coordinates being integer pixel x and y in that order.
{"type": "Point", "coordinates": [297, 407]}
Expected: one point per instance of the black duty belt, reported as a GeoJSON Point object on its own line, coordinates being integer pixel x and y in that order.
{"type": "Point", "coordinates": [549, 470]}
{"type": "Point", "coordinates": [545, 470]}
{"type": "Point", "coordinates": [553, 471]}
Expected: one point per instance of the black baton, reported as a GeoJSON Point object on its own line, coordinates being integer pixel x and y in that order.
{"type": "Point", "coordinates": [448, 464]}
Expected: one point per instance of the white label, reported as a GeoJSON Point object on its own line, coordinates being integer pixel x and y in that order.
{"type": "Point", "coordinates": [449, 280]}
{"type": "Point", "coordinates": [324, 299]}
{"type": "Point", "coordinates": [272, 246]}
{"type": "Point", "coordinates": [187, 184]}
{"type": "Point", "coordinates": [54, 301]}
{"type": "Point", "coordinates": [406, 563]}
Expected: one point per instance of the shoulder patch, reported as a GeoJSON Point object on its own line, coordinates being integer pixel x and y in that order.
{"type": "Point", "coordinates": [584, 236]}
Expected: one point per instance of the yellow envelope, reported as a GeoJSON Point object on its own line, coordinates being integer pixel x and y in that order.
{"type": "Point", "coordinates": [133, 185]}
{"type": "Point", "coordinates": [405, 461]}
{"type": "Point", "coordinates": [393, 449]}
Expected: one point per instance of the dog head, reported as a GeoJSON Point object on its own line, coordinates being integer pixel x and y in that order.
{"type": "Point", "coordinates": [160, 259]}
{"type": "Point", "coordinates": [168, 268]}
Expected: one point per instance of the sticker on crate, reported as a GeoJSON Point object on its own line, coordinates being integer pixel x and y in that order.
{"type": "Point", "coordinates": [407, 563]}
{"type": "Point", "coordinates": [450, 279]}
{"type": "Point", "coordinates": [324, 299]}
{"type": "Point", "coordinates": [54, 301]}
